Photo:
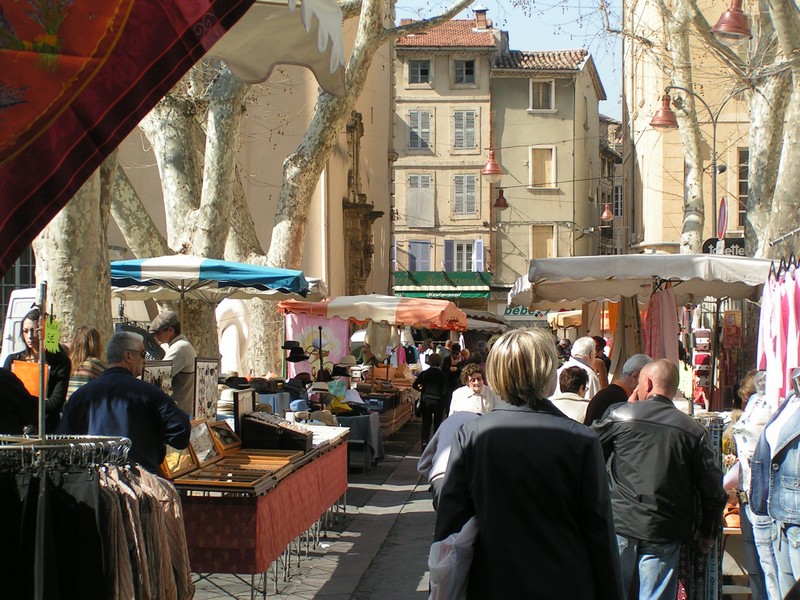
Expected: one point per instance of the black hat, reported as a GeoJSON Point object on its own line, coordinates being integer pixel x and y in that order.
{"type": "Point", "coordinates": [296, 354]}
{"type": "Point", "coordinates": [289, 344]}
{"type": "Point", "coordinates": [340, 371]}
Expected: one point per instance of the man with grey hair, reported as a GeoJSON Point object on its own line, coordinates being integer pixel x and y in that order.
{"type": "Point", "coordinates": [618, 391]}
{"type": "Point", "coordinates": [582, 355]}
{"type": "Point", "coordinates": [119, 404]}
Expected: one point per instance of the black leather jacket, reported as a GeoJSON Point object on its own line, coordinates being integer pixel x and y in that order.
{"type": "Point", "coordinates": [661, 463]}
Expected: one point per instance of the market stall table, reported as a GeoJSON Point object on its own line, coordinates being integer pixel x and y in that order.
{"type": "Point", "coordinates": [365, 430]}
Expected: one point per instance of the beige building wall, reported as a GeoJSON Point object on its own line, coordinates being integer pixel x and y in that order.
{"type": "Point", "coordinates": [653, 162]}
{"type": "Point", "coordinates": [278, 116]}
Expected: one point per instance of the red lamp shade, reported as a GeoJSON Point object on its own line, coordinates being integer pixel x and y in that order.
{"type": "Point", "coordinates": [492, 171]}
{"type": "Point", "coordinates": [500, 203]}
{"type": "Point", "coordinates": [607, 215]}
{"type": "Point", "coordinates": [733, 28]}
{"type": "Point", "coordinates": [664, 120]}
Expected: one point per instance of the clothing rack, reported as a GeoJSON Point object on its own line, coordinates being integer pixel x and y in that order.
{"type": "Point", "coordinates": [784, 237]}
{"type": "Point", "coordinates": [784, 265]}
{"type": "Point", "coordinates": [85, 450]}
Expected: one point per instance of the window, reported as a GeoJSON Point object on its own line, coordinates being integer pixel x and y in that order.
{"type": "Point", "coordinates": [464, 194]}
{"type": "Point", "coordinates": [617, 200]}
{"type": "Point", "coordinates": [541, 241]}
{"type": "Point", "coordinates": [744, 172]}
{"type": "Point", "coordinates": [419, 255]}
{"type": "Point", "coordinates": [420, 201]}
{"type": "Point", "coordinates": [20, 276]}
{"type": "Point", "coordinates": [464, 130]}
{"type": "Point", "coordinates": [419, 71]}
{"type": "Point", "coordinates": [463, 256]}
{"type": "Point", "coordinates": [464, 71]}
{"type": "Point", "coordinates": [419, 130]}
{"type": "Point", "coordinates": [542, 168]}
{"type": "Point", "coordinates": [542, 95]}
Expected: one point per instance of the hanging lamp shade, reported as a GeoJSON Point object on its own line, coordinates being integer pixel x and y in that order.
{"type": "Point", "coordinates": [733, 27]}
{"type": "Point", "coordinates": [500, 203]}
{"type": "Point", "coordinates": [664, 120]}
{"type": "Point", "coordinates": [607, 215]}
{"type": "Point", "coordinates": [492, 171]}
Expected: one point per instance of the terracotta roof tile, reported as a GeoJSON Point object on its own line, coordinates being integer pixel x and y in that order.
{"type": "Point", "coordinates": [455, 33]}
{"type": "Point", "coordinates": [543, 60]}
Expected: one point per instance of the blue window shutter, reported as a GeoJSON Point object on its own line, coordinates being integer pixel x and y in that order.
{"type": "Point", "coordinates": [449, 255]}
{"type": "Point", "coordinates": [477, 256]}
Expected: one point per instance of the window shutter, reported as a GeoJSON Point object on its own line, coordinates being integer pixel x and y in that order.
{"type": "Point", "coordinates": [477, 256]}
{"type": "Point", "coordinates": [469, 129]}
{"type": "Point", "coordinates": [470, 192]}
{"type": "Point", "coordinates": [449, 255]}
{"type": "Point", "coordinates": [394, 255]}
{"type": "Point", "coordinates": [413, 129]}
{"type": "Point", "coordinates": [425, 129]}
{"type": "Point", "coordinates": [458, 194]}
{"type": "Point", "coordinates": [420, 201]}
{"type": "Point", "coordinates": [458, 130]}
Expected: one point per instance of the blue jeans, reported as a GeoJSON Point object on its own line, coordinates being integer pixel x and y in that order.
{"type": "Point", "coordinates": [658, 567]}
{"type": "Point", "coordinates": [764, 534]}
{"type": "Point", "coordinates": [786, 546]}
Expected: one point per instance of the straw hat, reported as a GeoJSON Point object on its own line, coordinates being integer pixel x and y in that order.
{"type": "Point", "coordinates": [319, 387]}
{"type": "Point", "coordinates": [347, 361]}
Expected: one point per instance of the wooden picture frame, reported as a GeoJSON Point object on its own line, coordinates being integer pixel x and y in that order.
{"type": "Point", "coordinates": [159, 373]}
{"type": "Point", "coordinates": [224, 436]}
{"type": "Point", "coordinates": [206, 374]}
{"type": "Point", "coordinates": [178, 462]}
{"type": "Point", "coordinates": [202, 444]}
{"type": "Point", "coordinates": [244, 401]}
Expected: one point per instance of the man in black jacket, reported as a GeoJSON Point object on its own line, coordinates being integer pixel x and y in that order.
{"type": "Point", "coordinates": [660, 462]}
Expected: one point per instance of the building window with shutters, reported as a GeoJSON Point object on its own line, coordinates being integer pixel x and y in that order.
{"type": "Point", "coordinates": [542, 169]}
{"type": "Point", "coordinates": [419, 71]}
{"type": "Point", "coordinates": [463, 72]}
{"type": "Point", "coordinates": [464, 135]}
{"type": "Point", "coordinates": [465, 189]}
{"type": "Point", "coordinates": [744, 173]}
{"type": "Point", "coordinates": [420, 201]}
{"type": "Point", "coordinates": [419, 130]}
{"type": "Point", "coordinates": [460, 255]}
{"type": "Point", "coordinates": [542, 96]}
{"type": "Point", "coordinates": [419, 255]}
{"type": "Point", "coordinates": [617, 200]}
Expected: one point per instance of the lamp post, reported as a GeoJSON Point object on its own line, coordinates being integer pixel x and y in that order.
{"type": "Point", "coordinates": [664, 120]}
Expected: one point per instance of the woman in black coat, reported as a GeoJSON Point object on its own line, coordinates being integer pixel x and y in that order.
{"type": "Point", "coordinates": [434, 386]}
{"type": "Point", "coordinates": [58, 366]}
{"type": "Point", "coordinates": [536, 482]}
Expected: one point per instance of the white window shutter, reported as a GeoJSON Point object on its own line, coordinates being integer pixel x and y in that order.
{"type": "Point", "coordinates": [477, 256]}
{"type": "Point", "coordinates": [470, 192]}
{"type": "Point", "coordinates": [458, 194]}
{"type": "Point", "coordinates": [469, 129]}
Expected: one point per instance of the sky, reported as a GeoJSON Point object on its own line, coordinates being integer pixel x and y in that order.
{"type": "Point", "coordinates": [550, 25]}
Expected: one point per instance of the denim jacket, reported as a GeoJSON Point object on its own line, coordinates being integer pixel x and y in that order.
{"type": "Point", "coordinates": [775, 483]}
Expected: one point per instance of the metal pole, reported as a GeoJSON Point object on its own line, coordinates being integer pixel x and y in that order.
{"type": "Point", "coordinates": [42, 299]}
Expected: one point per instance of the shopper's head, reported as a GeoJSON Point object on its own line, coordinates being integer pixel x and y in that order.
{"type": "Point", "coordinates": [472, 377]}
{"type": "Point", "coordinates": [30, 331]}
{"type": "Point", "coordinates": [434, 360]}
{"type": "Point", "coordinates": [521, 366]}
{"type": "Point", "coordinates": [86, 343]}
{"type": "Point", "coordinates": [583, 348]}
{"type": "Point", "coordinates": [658, 377]}
{"type": "Point", "coordinates": [573, 380]}
{"type": "Point", "coordinates": [126, 349]}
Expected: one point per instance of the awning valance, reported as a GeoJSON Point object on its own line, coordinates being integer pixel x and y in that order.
{"type": "Point", "coordinates": [442, 284]}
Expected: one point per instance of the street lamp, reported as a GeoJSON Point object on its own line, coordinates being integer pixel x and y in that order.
{"type": "Point", "coordinates": [492, 171]}
{"type": "Point", "coordinates": [665, 120]}
{"type": "Point", "coordinates": [733, 28]}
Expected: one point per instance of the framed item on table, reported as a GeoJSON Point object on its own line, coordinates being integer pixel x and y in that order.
{"type": "Point", "coordinates": [206, 374]}
{"type": "Point", "coordinates": [202, 444]}
{"type": "Point", "coordinates": [178, 462]}
{"type": "Point", "coordinates": [244, 401]}
{"type": "Point", "coordinates": [159, 373]}
{"type": "Point", "coordinates": [224, 436]}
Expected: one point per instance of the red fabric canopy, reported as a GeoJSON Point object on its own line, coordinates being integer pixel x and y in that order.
{"type": "Point", "coordinates": [76, 77]}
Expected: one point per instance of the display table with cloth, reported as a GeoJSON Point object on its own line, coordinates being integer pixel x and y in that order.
{"type": "Point", "coordinates": [245, 534]}
{"type": "Point", "coordinates": [279, 401]}
{"type": "Point", "coordinates": [365, 429]}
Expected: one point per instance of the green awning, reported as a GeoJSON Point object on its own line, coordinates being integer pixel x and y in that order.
{"type": "Point", "coordinates": [442, 284]}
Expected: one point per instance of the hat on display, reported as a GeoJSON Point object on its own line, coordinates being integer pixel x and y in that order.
{"type": "Point", "coordinates": [297, 355]}
{"type": "Point", "coordinates": [290, 344]}
{"type": "Point", "coordinates": [353, 396]}
{"type": "Point", "coordinates": [319, 386]}
{"type": "Point", "coordinates": [347, 361]}
{"type": "Point", "coordinates": [165, 319]}
{"type": "Point", "coordinates": [340, 371]}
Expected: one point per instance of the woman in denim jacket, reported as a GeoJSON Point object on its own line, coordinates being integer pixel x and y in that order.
{"type": "Point", "coordinates": [775, 491]}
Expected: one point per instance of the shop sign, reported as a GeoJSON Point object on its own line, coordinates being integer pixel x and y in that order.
{"type": "Point", "coordinates": [732, 246]}
{"type": "Point", "coordinates": [523, 313]}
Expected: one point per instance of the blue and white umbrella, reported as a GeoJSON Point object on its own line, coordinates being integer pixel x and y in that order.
{"type": "Point", "coordinates": [180, 276]}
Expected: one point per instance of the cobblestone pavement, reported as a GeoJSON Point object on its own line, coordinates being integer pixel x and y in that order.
{"type": "Point", "coordinates": [376, 550]}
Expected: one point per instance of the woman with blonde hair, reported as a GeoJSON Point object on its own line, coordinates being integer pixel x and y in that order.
{"type": "Point", "coordinates": [85, 355]}
{"type": "Point", "coordinates": [536, 483]}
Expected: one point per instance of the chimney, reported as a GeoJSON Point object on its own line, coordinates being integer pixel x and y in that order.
{"type": "Point", "coordinates": [480, 17]}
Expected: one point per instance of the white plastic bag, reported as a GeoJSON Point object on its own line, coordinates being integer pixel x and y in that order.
{"type": "Point", "coordinates": [449, 562]}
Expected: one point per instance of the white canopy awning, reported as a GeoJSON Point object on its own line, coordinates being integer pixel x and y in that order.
{"type": "Point", "coordinates": [272, 32]}
{"type": "Point", "coordinates": [598, 278]}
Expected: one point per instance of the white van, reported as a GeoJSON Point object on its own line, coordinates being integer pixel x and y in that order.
{"type": "Point", "coordinates": [19, 304]}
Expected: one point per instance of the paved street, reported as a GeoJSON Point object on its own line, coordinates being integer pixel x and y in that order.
{"type": "Point", "coordinates": [378, 550]}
